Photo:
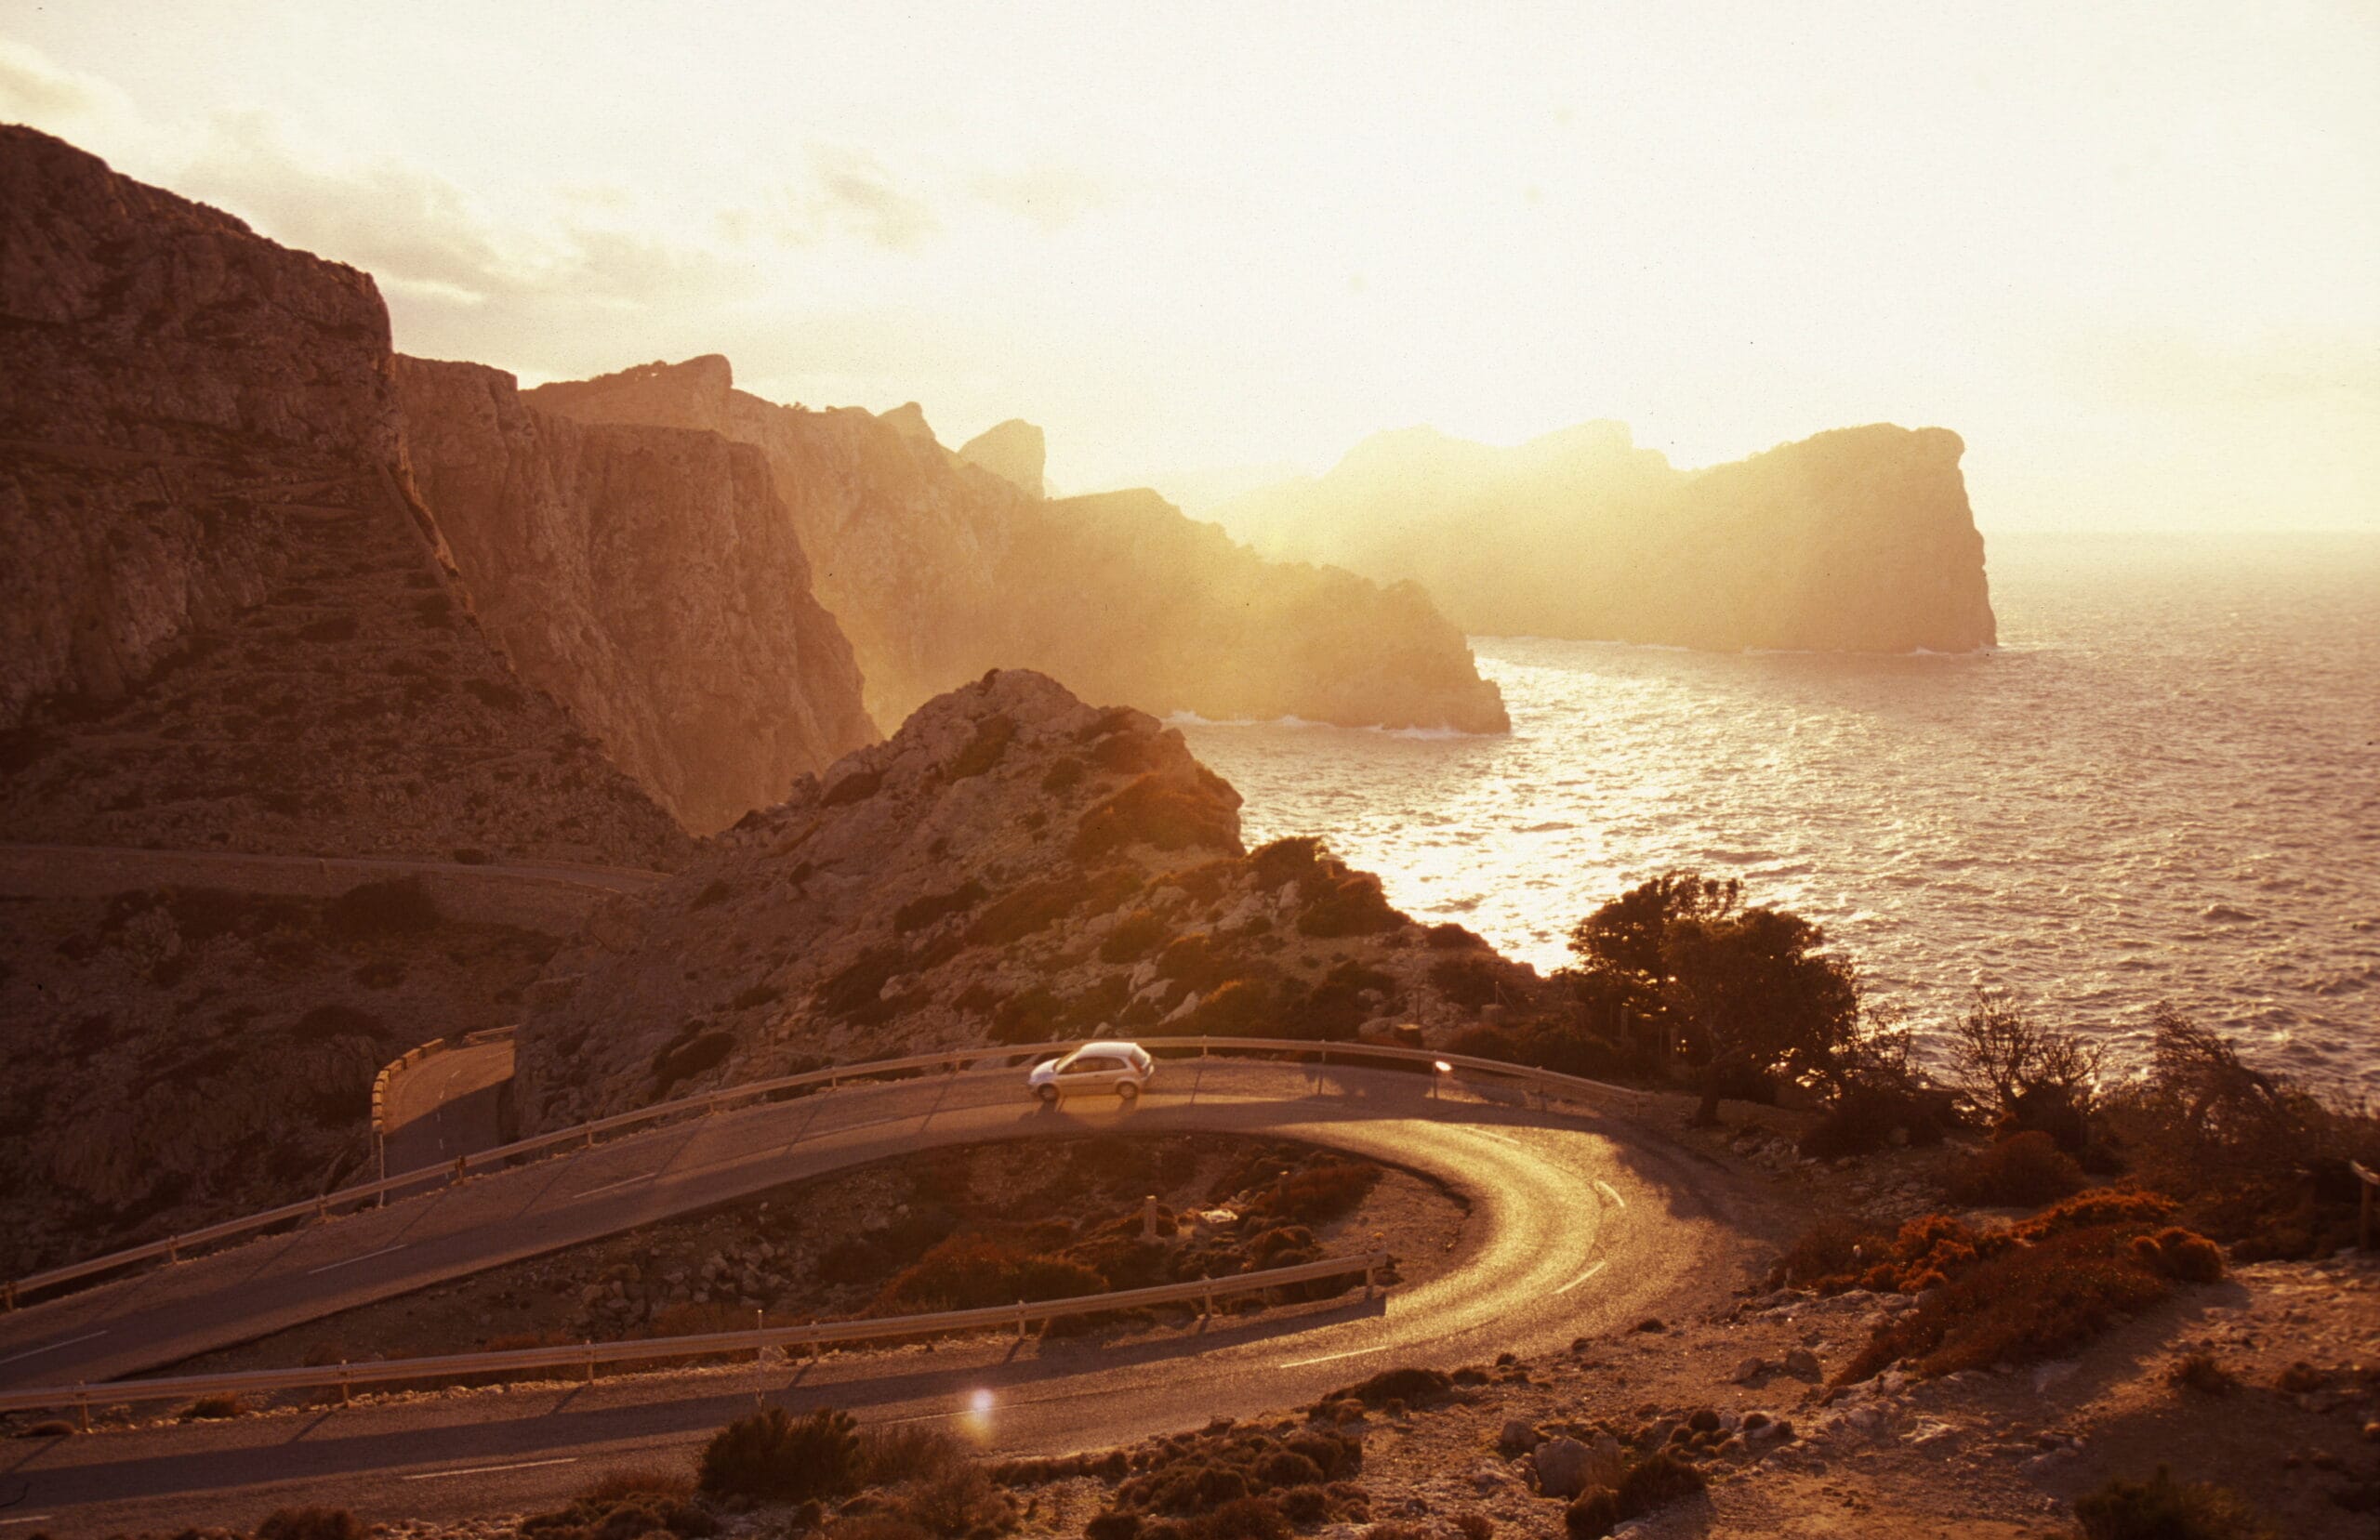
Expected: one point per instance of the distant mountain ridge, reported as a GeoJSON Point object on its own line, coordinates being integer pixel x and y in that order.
{"type": "Point", "coordinates": [939, 569]}
{"type": "Point", "coordinates": [1856, 540]}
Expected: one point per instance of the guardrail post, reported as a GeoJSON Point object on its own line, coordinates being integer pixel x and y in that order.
{"type": "Point", "coordinates": [173, 1248]}
{"type": "Point", "coordinates": [458, 1166]}
{"type": "Point", "coordinates": [591, 1360]}
{"type": "Point", "coordinates": [1368, 1285]}
{"type": "Point", "coordinates": [1149, 1217]}
{"type": "Point", "coordinates": [9, 1290]}
{"type": "Point", "coordinates": [343, 1399]}
{"type": "Point", "coordinates": [2371, 1181]}
{"type": "Point", "coordinates": [1020, 1321]}
{"type": "Point", "coordinates": [760, 1327]}
{"type": "Point", "coordinates": [1210, 1296]}
{"type": "Point", "coordinates": [82, 1408]}
{"type": "Point", "coordinates": [322, 1205]}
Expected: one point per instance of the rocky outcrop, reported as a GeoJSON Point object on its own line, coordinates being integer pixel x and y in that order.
{"type": "Point", "coordinates": [1857, 540]}
{"type": "Point", "coordinates": [204, 470]}
{"type": "Point", "coordinates": [1012, 865]}
{"type": "Point", "coordinates": [1014, 451]}
{"type": "Point", "coordinates": [649, 578]}
{"type": "Point", "coordinates": [939, 570]}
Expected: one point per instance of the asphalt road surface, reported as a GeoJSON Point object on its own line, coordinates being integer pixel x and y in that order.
{"type": "Point", "coordinates": [449, 1104]}
{"type": "Point", "coordinates": [1580, 1223]}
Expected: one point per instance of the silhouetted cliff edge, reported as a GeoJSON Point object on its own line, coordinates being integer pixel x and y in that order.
{"type": "Point", "coordinates": [938, 569]}
{"type": "Point", "coordinates": [1856, 540]}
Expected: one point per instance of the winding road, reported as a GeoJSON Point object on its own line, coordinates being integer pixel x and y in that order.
{"type": "Point", "coordinates": [1582, 1221]}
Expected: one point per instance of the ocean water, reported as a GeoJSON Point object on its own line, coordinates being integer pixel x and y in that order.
{"type": "Point", "coordinates": [2162, 786]}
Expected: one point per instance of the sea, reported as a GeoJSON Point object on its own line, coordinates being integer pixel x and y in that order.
{"type": "Point", "coordinates": [2161, 786]}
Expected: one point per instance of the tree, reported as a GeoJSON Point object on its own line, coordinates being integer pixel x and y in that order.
{"type": "Point", "coordinates": [2022, 1074]}
{"type": "Point", "coordinates": [1746, 989]}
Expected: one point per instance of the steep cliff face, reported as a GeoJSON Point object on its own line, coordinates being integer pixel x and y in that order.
{"type": "Point", "coordinates": [646, 576]}
{"type": "Point", "coordinates": [1857, 540]}
{"type": "Point", "coordinates": [227, 622]}
{"type": "Point", "coordinates": [1014, 451]}
{"type": "Point", "coordinates": [1012, 865]}
{"type": "Point", "coordinates": [939, 570]}
{"type": "Point", "coordinates": [163, 364]}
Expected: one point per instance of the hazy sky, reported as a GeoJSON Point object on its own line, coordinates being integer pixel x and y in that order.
{"type": "Point", "coordinates": [2132, 253]}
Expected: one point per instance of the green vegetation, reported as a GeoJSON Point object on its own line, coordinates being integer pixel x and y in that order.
{"type": "Point", "coordinates": [777, 1456]}
{"type": "Point", "coordinates": [2163, 1508]}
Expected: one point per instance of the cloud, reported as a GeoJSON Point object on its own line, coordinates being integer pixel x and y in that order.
{"type": "Point", "coordinates": [853, 192]}
{"type": "Point", "coordinates": [1051, 196]}
{"type": "Point", "coordinates": [35, 88]}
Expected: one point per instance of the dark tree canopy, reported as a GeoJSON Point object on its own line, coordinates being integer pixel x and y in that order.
{"type": "Point", "coordinates": [1746, 988]}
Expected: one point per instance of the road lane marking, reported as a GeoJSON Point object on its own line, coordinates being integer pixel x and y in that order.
{"type": "Point", "coordinates": [1610, 1191]}
{"type": "Point", "coordinates": [1501, 1139]}
{"type": "Point", "coordinates": [489, 1469]}
{"type": "Point", "coordinates": [36, 1352]}
{"type": "Point", "coordinates": [624, 1182]}
{"type": "Point", "coordinates": [328, 1267]}
{"type": "Point", "coordinates": [1333, 1358]}
{"type": "Point", "coordinates": [28, 1519]}
{"type": "Point", "coordinates": [1582, 1277]}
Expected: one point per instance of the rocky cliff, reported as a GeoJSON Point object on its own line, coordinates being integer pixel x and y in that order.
{"type": "Point", "coordinates": [939, 570]}
{"type": "Point", "coordinates": [228, 621]}
{"type": "Point", "coordinates": [1014, 451]}
{"type": "Point", "coordinates": [1857, 540]}
{"type": "Point", "coordinates": [1012, 865]}
{"type": "Point", "coordinates": [646, 576]}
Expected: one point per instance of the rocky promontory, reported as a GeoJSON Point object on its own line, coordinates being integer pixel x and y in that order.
{"type": "Point", "coordinates": [939, 569]}
{"type": "Point", "coordinates": [1856, 540]}
{"type": "Point", "coordinates": [646, 576]}
{"type": "Point", "coordinates": [230, 623]}
{"type": "Point", "coordinates": [1014, 866]}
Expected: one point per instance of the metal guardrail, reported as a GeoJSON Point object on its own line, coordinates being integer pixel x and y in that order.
{"type": "Point", "coordinates": [583, 1135]}
{"type": "Point", "coordinates": [344, 1377]}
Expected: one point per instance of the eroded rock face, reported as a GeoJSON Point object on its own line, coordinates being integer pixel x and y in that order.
{"type": "Point", "coordinates": [164, 363]}
{"type": "Point", "coordinates": [202, 468]}
{"type": "Point", "coordinates": [939, 570]}
{"type": "Point", "coordinates": [646, 576]}
{"type": "Point", "coordinates": [1856, 540]}
{"type": "Point", "coordinates": [1012, 865]}
{"type": "Point", "coordinates": [1014, 451]}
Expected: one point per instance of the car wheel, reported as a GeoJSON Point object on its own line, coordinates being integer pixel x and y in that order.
{"type": "Point", "coordinates": [1128, 1089]}
{"type": "Point", "coordinates": [1049, 1094]}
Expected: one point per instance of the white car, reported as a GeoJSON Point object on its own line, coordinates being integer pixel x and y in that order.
{"type": "Point", "coordinates": [1122, 1068]}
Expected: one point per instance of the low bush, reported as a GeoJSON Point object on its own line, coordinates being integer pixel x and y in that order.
{"type": "Point", "coordinates": [925, 910]}
{"type": "Point", "coordinates": [856, 787]}
{"type": "Point", "coordinates": [1029, 909]}
{"type": "Point", "coordinates": [400, 906]}
{"type": "Point", "coordinates": [986, 750]}
{"type": "Point", "coordinates": [311, 1524]}
{"type": "Point", "coordinates": [2201, 1373]}
{"type": "Point", "coordinates": [778, 1457]}
{"type": "Point", "coordinates": [2180, 1255]}
{"type": "Point", "coordinates": [1829, 1250]}
{"type": "Point", "coordinates": [855, 991]}
{"type": "Point", "coordinates": [213, 1408]}
{"type": "Point", "coordinates": [1469, 981]}
{"type": "Point", "coordinates": [2028, 1302]}
{"type": "Point", "coordinates": [2163, 1508]}
{"type": "Point", "coordinates": [1413, 1387]}
{"type": "Point", "coordinates": [690, 1057]}
{"type": "Point", "coordinates": [955, 1498]}
{"type": "Point", "coordinates": [1159, 812]}
{"type": "Point", "coordinates": [1654, 1482]}
{"type": "Point", "coordinates": [1135, 935]}
{"type": "Point", "coordinates": [897, 1452]}
{"type": "Point", "coordinates": [2019, 1171]}
{"type": "Point", "coordinates": [1341, 902]}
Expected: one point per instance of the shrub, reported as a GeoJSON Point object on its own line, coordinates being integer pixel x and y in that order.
{"type": "Point", "coordinates": [310, 1523]}
{"type": "Point", "coordinates": [984, 750]}
{"type": "Point", "coordinates": [2180, 1255]}
{"type": "Point", "coordinates": [1135, 935]}
{"type": "Point", "coordinates": [925, 910]}
{"type": "Point", "coordinates": [954, 1498]}
{"type": "Point", "coordinates": [2163, 1508]}
{"type": "Point", "coordinates": [400, 906]}
{"type": "Point", "coordinates": [1473, 1525]}
{"type": "Point", "coordinates": [1251, 1518]}
{"type": "Point", "coordinates": [2019, 1171]}
{"type": "Point", "coordinates": [1470, 980]}
{"type": "Point", "coordinates": [1344, 902]}
{"type": "Point", "coordinates": [753, 996]}
{"type": "Point", "coordinates": [1035, 906]}
{"type": "Point", "coordinates": [325, 1022]}
{"type": "Point", "coordinates": [1413, 1387]}
{"type": "Point", "coordinates": [1324, 1189]}
{"type": "Point", "coordinates": [1196, 960]}
{"type": "Point", "coordinates": [2200, 1372]}
{"type": "Point", "coordinates": [1593, 1514]}
{"type": "Point", "coordinates": [1160, 811]}
{"type": "Point", "coordinates": [1655, 1481]}
{"type": "Point", "coordinates": [1063, 777]}
{"type": "Point", "coordinates": [2028, 1302]}
{"type": "Point", "coordinates": [213, 1408]}
{"type": "Point", "coordinates": [1830, 1249]}
{"type": "Point", "coordinates": [855, 991]}
{"type": "Point", "coordinates": [905, 1451]}
{"type": "Point", "coordinates": [713, 893]}
{"type": "Point", "coordinates": [690, 1057]}
{"type": "Point", "coordinates": [856, 787]}
{"type": "Point", "coordinates": [773, 1455]}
